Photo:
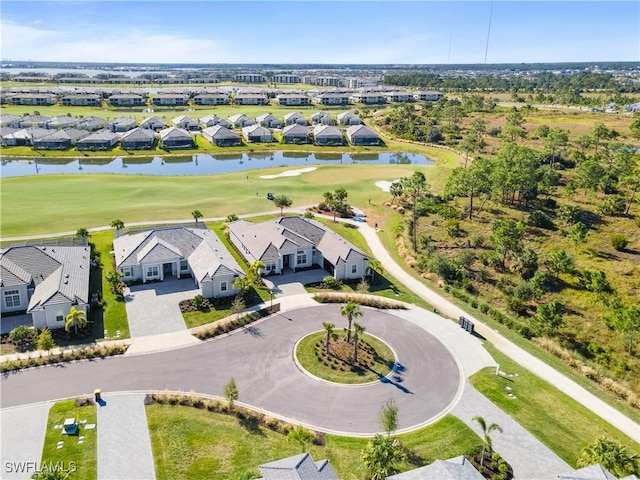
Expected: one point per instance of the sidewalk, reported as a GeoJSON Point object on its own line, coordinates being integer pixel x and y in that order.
{"type": "Point", "coordinates": [124, 445]}
{"type": "Point", "coordinates": [529, 458]}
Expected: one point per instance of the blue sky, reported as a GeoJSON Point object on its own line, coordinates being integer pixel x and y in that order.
{"type": "Point", "coordinates": [418, 32]}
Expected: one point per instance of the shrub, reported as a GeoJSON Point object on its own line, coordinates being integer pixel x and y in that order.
{"type": "Point", "coordinates": [538, 218]}
{"type": "Point", "coordinates": [331, 282]}
{"type": "Point", "coordinates": [619, 242]}
{"type": "Point", "coordinates": [516, 306]}
{"type": "Point", "coordinates": [613, 205]}
{"type": "Point", "coordinates": [484, 308]}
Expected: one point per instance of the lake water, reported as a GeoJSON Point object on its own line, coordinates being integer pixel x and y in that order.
{"type": "Point", "coordinates": [201, 164]}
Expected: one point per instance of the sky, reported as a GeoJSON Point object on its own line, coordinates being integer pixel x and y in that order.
{"type": "Point", "coordinates": [336, 32]}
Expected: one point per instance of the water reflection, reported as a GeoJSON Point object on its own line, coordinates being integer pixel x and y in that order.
{"type": "Point", "coordinates": [201, 164]}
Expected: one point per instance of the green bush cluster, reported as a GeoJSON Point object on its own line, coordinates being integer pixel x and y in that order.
{"type": "Point", "coordinates": [366, 300]}
{"type": "Point", "coordinates": [221, 328]}
{"type": "Point", "coordinates": [66, 356]}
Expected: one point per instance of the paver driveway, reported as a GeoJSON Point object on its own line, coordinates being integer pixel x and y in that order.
{"type": "Point", "coordinates": [153, 308]}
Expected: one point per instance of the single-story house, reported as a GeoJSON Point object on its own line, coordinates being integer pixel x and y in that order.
{"type": "Point", "coordinates": [298, 467]}
{"type": "Point", "coordinates": [153, 123]}
{"type": "Point", "coordinates": [45, 282]}
{"type": "Point", "coordinates": [186, 123]}
{"type": "Point", "coordinates": [100, 140]}
{"type": "Point", "coordinates": [294, 117]}
{"type": "Point", "coordinates": [240, 120]}
{"type": "Point", "coordinates": [29, 121]}
{"type": "Point", "coordinates": [138, 139]}
{"type": "Point", "coordinates": [59, 139]}
{"type": "Point", "coordinates": [321, 118]}
{"type": "Point", "coordinates": [362, 135]}
{"type": "Point", "coordinates": [92, 123]}
{"type": "Point", "coordinates": [62, 122]}
{"type": "Point", "coordinates": [6, 132]}
{"type": "Point", "coordinates": [296, 134]}
{"type": "Point", "coordinates": [348, 118]}
{"type": "Point", "coordinates": [269, 121]}
{"type": "Point", "coordinates": [174, 137]}
{"type": "Point", "coordinates": [458, 468]}
{"type": "Point", "coordinates": [256, 133]}
{"type": "Point", "coordinates": [8, 120]}
{"type": "Point", "coordinates": [222, 136]}
{"type": "Point", "coordinates": [296, 242]}
{"type": "Point", "coordinates": [122, 124]}
{"type": "Point", "coordinates": [327, 135]}
{"type": "Point", "coordinates": [213, 120]}
{"type": "Point", "coordinates": [25, 136]}
{"type": "Point", "coordinates": [175, 252]}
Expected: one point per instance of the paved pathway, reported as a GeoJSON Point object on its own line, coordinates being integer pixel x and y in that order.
{"type": "Point", "coordinates": [530, 362]}
{"type": "Point", "coordinates": [529, 458]}
{"type": "Point", "coordinates": [22, 439]}
{"type": "Point", "coordinates": [124, 446]}
{"type": "Point", "coordinates": [153, 309]}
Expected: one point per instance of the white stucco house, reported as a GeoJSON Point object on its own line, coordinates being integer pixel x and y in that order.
{"type": "Point", "coordinates": [175, 252]}
{"type": "Point", "coordinates": [292, 243]}
{"type": "Point", "coordinates": [45, 282]}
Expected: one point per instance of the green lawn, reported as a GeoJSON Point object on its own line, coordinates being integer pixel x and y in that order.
{"type": "Point", "coordinates": [305, 353]}
{"type": "Point", "coordinates": [83, 456]}
{"type": "Point", "coordinates": [195, 444]}
{"type": "Point", "coordinates": [558, 421]}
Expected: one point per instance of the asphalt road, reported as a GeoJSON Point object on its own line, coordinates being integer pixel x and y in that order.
{"type": "Point", "coordinates": [261, 360]}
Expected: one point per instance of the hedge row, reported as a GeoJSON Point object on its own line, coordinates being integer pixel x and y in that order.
{"type": "Point", "coordinates": [222, 327]}
{"type": "Point", "coordinates": [65, 356]}
{"type": "Point", "coordinates": [366, 300]}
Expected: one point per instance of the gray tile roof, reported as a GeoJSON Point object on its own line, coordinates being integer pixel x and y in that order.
{"type": "Point", "coordinates": [321, 131]}
{"type": "Point", "coordinates": [356, 131]}
{"type": "Point", "coordinates": [106, 135]}
{"type": "Point", "coordinates": [457, 468]}
{"type": "Point", "coordinates": [296, 129]}
{"type": "Point", "coordinates": [174, 133]}
{"type": "Point", "coordinates": [59, 274]}
{"type": "Point", "coordinates": [139, 135]}
{"type": "Point", "coordinates": [220, 132]}
{"type": "Point", "coordinates": [592, 472]}
{"type": "Point", "coordinates": [298, 467]}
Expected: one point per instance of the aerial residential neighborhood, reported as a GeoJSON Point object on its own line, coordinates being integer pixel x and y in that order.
{"type": "Point", "coordinates": [382, 241]}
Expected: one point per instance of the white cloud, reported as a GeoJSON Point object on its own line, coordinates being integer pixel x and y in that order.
{"type": "Point", "coordinates": [22, 42]}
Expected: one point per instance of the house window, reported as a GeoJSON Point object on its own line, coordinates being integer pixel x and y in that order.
{"type": "Point", "coordinates": [59, 316]}
{"type": "Point", "coordinates": [223, 286]}
{"type": "Point", "coordinates": [12, 298]}
{"type": "Point", "coordinates": [270, 267]}
{"type": "Point", "coordinates": [127, 272]}
{"type": "Point", "coordinates": [301, 259]}
{"type": "Point", "coordinates": [354, 268]}
{"type": "Point", "coordinates": [153, 271]}
{"type": "Point", "coordinates": [184, 266]}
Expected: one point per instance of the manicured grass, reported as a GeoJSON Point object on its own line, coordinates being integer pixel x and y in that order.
{"type": "Point", "coordinates": [83, 456]}
{"type": "Point", "coordinates": [222, 309]}
{"type": "Point", "coordinates": [54, 203]}
{"type": "Point", "coordinates": [558, 421]}
{"type": "Point", "coordinates": [114, 313]}
{"type": "Point", "coordinates": [194, 444]}
{"type": "Point", "coordinates": [330, 369]}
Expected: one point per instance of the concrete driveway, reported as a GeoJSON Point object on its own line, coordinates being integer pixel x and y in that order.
{"type": "Point", "coordinates": [153, 308]}
{"type": "Point", "coordinates": [293, 283]}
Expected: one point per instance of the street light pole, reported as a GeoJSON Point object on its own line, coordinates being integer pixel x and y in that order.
{"type": "Point", "coordinates": [271, 295]}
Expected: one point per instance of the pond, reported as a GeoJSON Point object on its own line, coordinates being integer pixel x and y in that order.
{"type": "Point", "coordinates": [200, 164]}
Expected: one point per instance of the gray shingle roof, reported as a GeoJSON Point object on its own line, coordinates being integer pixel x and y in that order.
{"type": "Point", "coordinates": [592, 472]}
{"type": "Point", "coordinates": [219, 132]}
{"type": "Point", "coordinates": [295, 129]}
{"type": "Point", "coordinates": [139, 135]}
{"type": "Point", "coordinates": [298, 467]}
{"type": "Point", "coordinates": [458, 468]}
{"type": "Point", "coordinates": [321, 131]}
{"type": "Point", "coordinates": [356, 131]}
{"type": "Point", "coordinates": [174, 133]}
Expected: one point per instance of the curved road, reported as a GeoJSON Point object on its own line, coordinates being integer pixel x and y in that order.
{"type": "Point", "coordinates": [260, 359]}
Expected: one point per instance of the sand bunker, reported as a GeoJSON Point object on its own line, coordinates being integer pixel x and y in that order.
{"type": "Point", "coordinates": [385, 185]}
{"type": "Point", "coordinates": [289, 173]}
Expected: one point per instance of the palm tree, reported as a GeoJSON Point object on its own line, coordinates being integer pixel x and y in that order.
{"type": "Point", "coordinates": [300, 435]}
{"type": "Point", "coordinates": [196, 214]}
{"type": "Point", "coordinates": [396, 190]}
{"type": "Point", "coordinates": [381, 456]}
{"type": "Point", "coordinates": [232, 217]}
{"type": "Point", "coordinates": [376, 267]}
{"type": "Point", "coordinates": [117, 224]}
{"type": "Point", "coordinates": [328, 329]}
{"type": "Point", "coordinates": [82, 232]}
{"type": "Point", "coordinates": [357, 331]}
{"type": "Point", "coordinates": [350, 310]}
{"type": "Point", "coordinates": [254, 270]}
{"type": "Point", "coordinates": [242, 284]}
{"type": "Point", "coordinates": [611, 455]}
{"type": "Point", "coordinates": [486, 438]}
{"type": "Point", "coordinates": [76, 318]}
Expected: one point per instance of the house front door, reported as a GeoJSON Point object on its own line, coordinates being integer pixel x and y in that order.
{"type": "Point", "coordinates": [167, 269]}
{"type": "Point", "coordinates": [286, 261]}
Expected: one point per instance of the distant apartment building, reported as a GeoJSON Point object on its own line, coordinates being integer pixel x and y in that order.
{"type": "Point", "coordinates": [126, 100]}
{"type": "Point", "coordinates": [292, 99]}
{"type": "Point", "coordinates": [34, 99]}
{"type": "Point", "coordinates": [82, 100]}
{"type": "Point", "coordinates": [331, 99]}
{"type": "Point", "coordinates": [211, 99]}
{"type": "Point", "coordinates": [323, 81]}
{"type": "Point", "coordinates": [249, 78]}
{"type": "Point", "coordinates": [170, 99]}
{"type": "Point", "coordinates": [251, 99]}
{"type": "Point", "coordinates": [428, 96]}
{"type": "Point", "coordinates": [285, 78]}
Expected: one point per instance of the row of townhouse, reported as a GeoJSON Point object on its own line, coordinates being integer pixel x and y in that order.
{"type": "Point", "coordinates": [242, 98]}
{"type": "Point", "coordinates": [179, 137]}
